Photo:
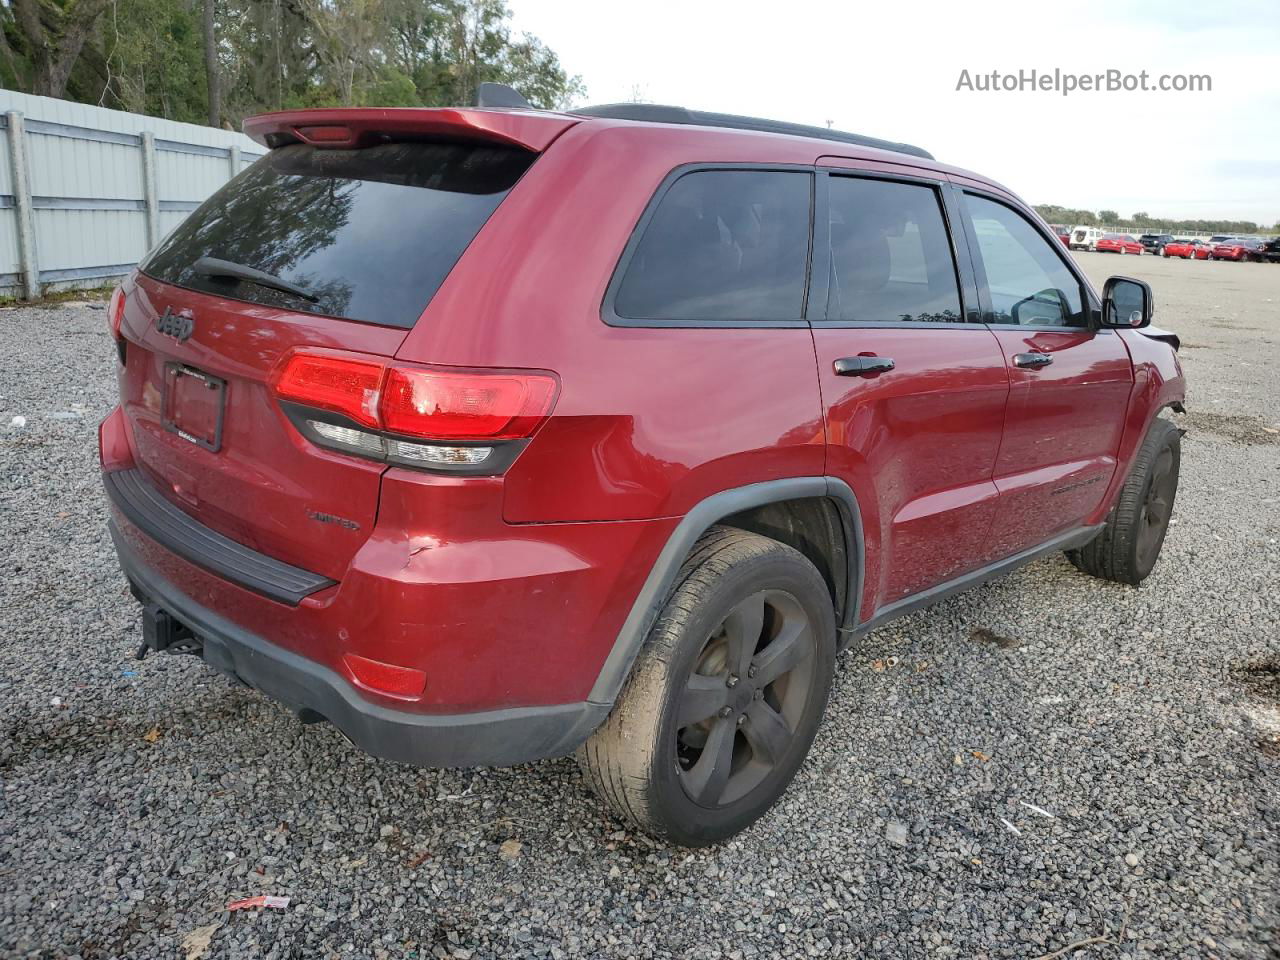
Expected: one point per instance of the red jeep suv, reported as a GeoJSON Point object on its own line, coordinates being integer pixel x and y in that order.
{"type": "Point", "coordinates": [493, 434]}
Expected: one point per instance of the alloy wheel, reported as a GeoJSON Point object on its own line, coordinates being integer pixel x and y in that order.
{"type": "Point", "coordinates": [744, 700]}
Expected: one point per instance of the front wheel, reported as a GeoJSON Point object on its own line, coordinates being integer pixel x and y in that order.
{"type": "Point", "coordinates": [1128, 546]}
{"type": "Point", "coordinates": [724, 699]}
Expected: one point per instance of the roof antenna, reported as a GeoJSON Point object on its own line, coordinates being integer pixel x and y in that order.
{"type": "Point", "coordinates": [500, 95]}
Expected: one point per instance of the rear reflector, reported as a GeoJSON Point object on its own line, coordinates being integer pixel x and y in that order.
{"type": "Point", "coordinates": [394, 681]}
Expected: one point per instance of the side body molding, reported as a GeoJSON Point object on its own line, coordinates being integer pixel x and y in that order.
{"type": "Point", "coordinates": [648, 604]}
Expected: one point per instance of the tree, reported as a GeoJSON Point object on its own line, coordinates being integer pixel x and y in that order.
{"type": "Point", "coordinates": [218, 61]}
{"type": "Point", "coordinates": [49, 37]}
{"type": "Point", "coordinates": [212, 83]}
{"type": "Point", "coordinates": [1108, 216]}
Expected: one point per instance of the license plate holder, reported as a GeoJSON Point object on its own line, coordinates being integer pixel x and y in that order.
{"type": "Point", "coordinates": [194, 405]}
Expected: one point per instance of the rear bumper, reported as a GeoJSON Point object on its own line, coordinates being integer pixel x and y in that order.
{"type": "Point", "coordinates": [485, 738]}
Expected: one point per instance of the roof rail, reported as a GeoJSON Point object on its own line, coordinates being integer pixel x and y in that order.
{"type": "Point", "coordinates": [659, 113]}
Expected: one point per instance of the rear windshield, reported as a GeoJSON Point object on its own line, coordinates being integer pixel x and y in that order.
{"type": "Point", "coordinates": [370, 233]}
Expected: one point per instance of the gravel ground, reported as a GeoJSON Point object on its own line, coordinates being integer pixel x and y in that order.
{"type": "Point", "coordinates": [1047, 760]}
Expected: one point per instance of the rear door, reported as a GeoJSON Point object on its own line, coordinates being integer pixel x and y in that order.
{"type": "Point", "coordinates": [913, 383]}
{"type": "Point", "coordinates": [360, 239]}
{"type": "Point", "coordinates": [1070, 382]}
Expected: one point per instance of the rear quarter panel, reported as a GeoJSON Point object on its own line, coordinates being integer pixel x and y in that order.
{"type": "Point", "coordinates": [649, 420]}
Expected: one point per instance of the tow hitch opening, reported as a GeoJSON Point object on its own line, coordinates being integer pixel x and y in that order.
{"type": "Point", "coordinates": [163, 633]}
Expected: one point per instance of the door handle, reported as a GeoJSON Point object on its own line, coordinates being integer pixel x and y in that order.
{"type": "Point", "coordinates": [861, 366]}
{"type": "Point", "coordinates": [1032, 360]}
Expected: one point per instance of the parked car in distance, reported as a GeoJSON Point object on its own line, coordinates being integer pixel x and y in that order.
{"type": "Point", "coordinates": [1155, 242]}
{"type": "Point", "coordinates": [1247, 249]}
{"type": "Point", "coordinates": [1271, 250]}
{"type": "Point", "coordinates": [1119, 243]}
{"type": "Point", "coordinates": [1062, 233]}
{"type": "Point", "coordinates": [1187, 249]}
{"type": "Point", "coordinates": [404, 446]}
{"type": "Point", "coordinates": [1085, 238]}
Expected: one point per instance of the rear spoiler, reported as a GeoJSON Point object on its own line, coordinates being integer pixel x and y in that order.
{"type": "Point", "coordinates": [348, 127]}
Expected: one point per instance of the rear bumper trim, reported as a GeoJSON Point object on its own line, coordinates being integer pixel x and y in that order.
{"type": "Point", "coordinates": [486, 738]}
{"type": "Point", "coordinates": [147, 509]}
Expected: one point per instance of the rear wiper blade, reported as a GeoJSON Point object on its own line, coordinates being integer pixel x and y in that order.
{"type": "Point", "coordinates": [213, 267]}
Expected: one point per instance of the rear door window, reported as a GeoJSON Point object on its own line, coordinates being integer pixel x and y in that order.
{"type": "Point", "coordinates": [370, 233]}
{"type": "Point", "coordinates": [891, 256]}
{"type": "Point", "coordinates": [722, 245]}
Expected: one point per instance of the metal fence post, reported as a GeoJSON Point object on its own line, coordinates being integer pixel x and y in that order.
{"type": "Point", "coordinates": [235, 160]}
{"type": "Point", "coordinates": [149, 188]}
{"type": "Point", "coordinates": [29, 266]}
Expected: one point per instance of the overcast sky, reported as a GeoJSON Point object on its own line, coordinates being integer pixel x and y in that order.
{"type": "Point", "coordinates": [891, 70]}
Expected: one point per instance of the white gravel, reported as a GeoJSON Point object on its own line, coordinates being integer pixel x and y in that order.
{"type": "Point", "coordinates": [1043, 761]}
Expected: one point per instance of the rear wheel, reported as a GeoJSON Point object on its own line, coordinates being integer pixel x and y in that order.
{"type": "Point", "coordinates": [724, 700]}
{"type": "Point", "coordinates": [1128, 546]}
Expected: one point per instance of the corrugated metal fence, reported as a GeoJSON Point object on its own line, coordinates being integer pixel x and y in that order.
{"type": "Point", "coordinates": [85, 191]}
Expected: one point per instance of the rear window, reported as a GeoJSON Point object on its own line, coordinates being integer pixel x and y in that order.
{"type": "Point", "coordinates": [722, 245]}
{"type": "Point", "coordinates": [890, 254]}
{"type": "Point", "coordinates": [370, 233]}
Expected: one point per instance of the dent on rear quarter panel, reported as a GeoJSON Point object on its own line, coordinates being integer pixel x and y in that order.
{"type": "Point", "coordinates": [649, 420]}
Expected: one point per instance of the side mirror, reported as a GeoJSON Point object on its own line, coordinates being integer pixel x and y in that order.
{"type": "Point", "coordinates": [1126, 303]}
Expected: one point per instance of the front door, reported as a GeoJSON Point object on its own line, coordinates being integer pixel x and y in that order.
{"type": "Point", "coordinates": [1069, 381]}
{"type": "Point", "coordinates": [914, 388]}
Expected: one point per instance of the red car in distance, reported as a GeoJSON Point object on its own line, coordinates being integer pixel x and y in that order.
{"type": "Point", "coordinates": [1063, 234]}
{"type": "Point", "coordinates": [1119, 243]}
{"type": "Point", "coordinates": [1238, 250]}
{"type": "Point", "coordinates": [1187, 249]}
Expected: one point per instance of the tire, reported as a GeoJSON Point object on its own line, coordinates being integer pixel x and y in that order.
{"type": "Point", "coordinates": [694, 777]}
{"type": "Point", "coordinates": [1127, 548]}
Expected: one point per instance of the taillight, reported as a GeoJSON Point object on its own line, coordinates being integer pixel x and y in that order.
{"type": "Point", "coordinates": [465, 406]}
{"type": "Point", "coordinates": [115, 312]}
{"type": "Point", "coordinates": [115, 318]}
{"type": "Point", "coordinates": [340, 384]}
{"type": "Point", "coordinates": [471, 421]}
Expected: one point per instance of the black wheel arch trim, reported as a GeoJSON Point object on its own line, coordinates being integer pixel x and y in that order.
{"type": "Point", "coordinates": [653, 595]}
{"type": "Point", "coordinates": [657, 586]}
